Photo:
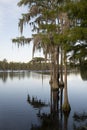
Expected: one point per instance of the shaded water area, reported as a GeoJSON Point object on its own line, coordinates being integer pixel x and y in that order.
{"type": "Point", "coordinates": [27, 102]}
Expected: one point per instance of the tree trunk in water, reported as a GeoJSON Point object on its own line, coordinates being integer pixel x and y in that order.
{"type": "Point", "coordinates": [55, 68]}
{"type": "Point", "coordinates": [66, 105]}
{"type": "Point", "coordinates": [66, 117]}
{"type": "Point", "coordinates": [61, 70]}
{"type": "Point", "coordinates": [57, 72]}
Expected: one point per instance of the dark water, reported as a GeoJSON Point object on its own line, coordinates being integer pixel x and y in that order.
{"type": "Point", "coordinates": [16, 113]}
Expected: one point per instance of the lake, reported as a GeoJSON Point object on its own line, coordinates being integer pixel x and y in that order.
{"type": "Point", "coordinates": [26, 101]}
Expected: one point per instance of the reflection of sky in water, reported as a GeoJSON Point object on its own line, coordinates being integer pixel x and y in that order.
{"type": "Point", "coordinates": [77, 89]}
{"type": "Point", "coordinates": [77, 93]}
{"type": "Point", "coordinates": [17, 114]}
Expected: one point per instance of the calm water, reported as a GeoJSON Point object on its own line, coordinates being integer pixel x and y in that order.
{"type": "Point", "coordinates": [16, 113]}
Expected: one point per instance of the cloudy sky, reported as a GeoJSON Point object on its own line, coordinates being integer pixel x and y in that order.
{"type": "Point", "coordinates": [9, 17]}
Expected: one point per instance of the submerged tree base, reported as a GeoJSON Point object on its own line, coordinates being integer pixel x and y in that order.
{"type": "Point", "coordinates": [66, 108]}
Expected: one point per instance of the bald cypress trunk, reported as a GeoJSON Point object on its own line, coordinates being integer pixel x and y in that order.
{"type": "Point", "coordinates": [61, 70]}
{"type": "Point", "coordinates": [66, 105]}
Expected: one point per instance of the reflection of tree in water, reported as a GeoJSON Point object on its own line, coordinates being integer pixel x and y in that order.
{"type": "Point", "coordinates": [80, 121]}
{"type": "Point", "coordinates": [4, 76]}
{"type": "Point", "coordinates": [83, 72]}
{"type": "Point", "coordinates": [17, 74]}
{"type": "Point", "coordinates": [20, 75]}
{"type": "Point", "coordinates": [28, 74]}
{"type": "Point", "coordinates": [14, 74]}
{"type": "Point", "coordinates": [56, 119]}
{"type": "Point", "coordinates": [39, 75]}
{"type": "Point", "coordinates": [35, 102]}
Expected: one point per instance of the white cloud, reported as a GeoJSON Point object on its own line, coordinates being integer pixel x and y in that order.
{"type": "Point", "coordinates": [7, 1]}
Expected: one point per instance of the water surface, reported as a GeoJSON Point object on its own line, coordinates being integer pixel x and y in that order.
{"type": "Point", "coordinates": [16, 113]}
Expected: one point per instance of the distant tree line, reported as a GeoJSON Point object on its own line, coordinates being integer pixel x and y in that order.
{"type": "Point", "coordinates": [34, 64]}
{"type": "Point", "coordinates": [37, 63]}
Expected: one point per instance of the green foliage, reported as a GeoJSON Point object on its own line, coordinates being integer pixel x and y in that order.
{"type": "Point", "coordinates": [21, 40]}
{"type": "Point", "coordinates": [77, 9]}
{"type": "Point", "coordinates": [78, 33]}
{"type": "Point", "coordinates": [56, 23]}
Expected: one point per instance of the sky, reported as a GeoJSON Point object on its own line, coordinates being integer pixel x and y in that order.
{"type": "Point", "coordinates": [9, 18]}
